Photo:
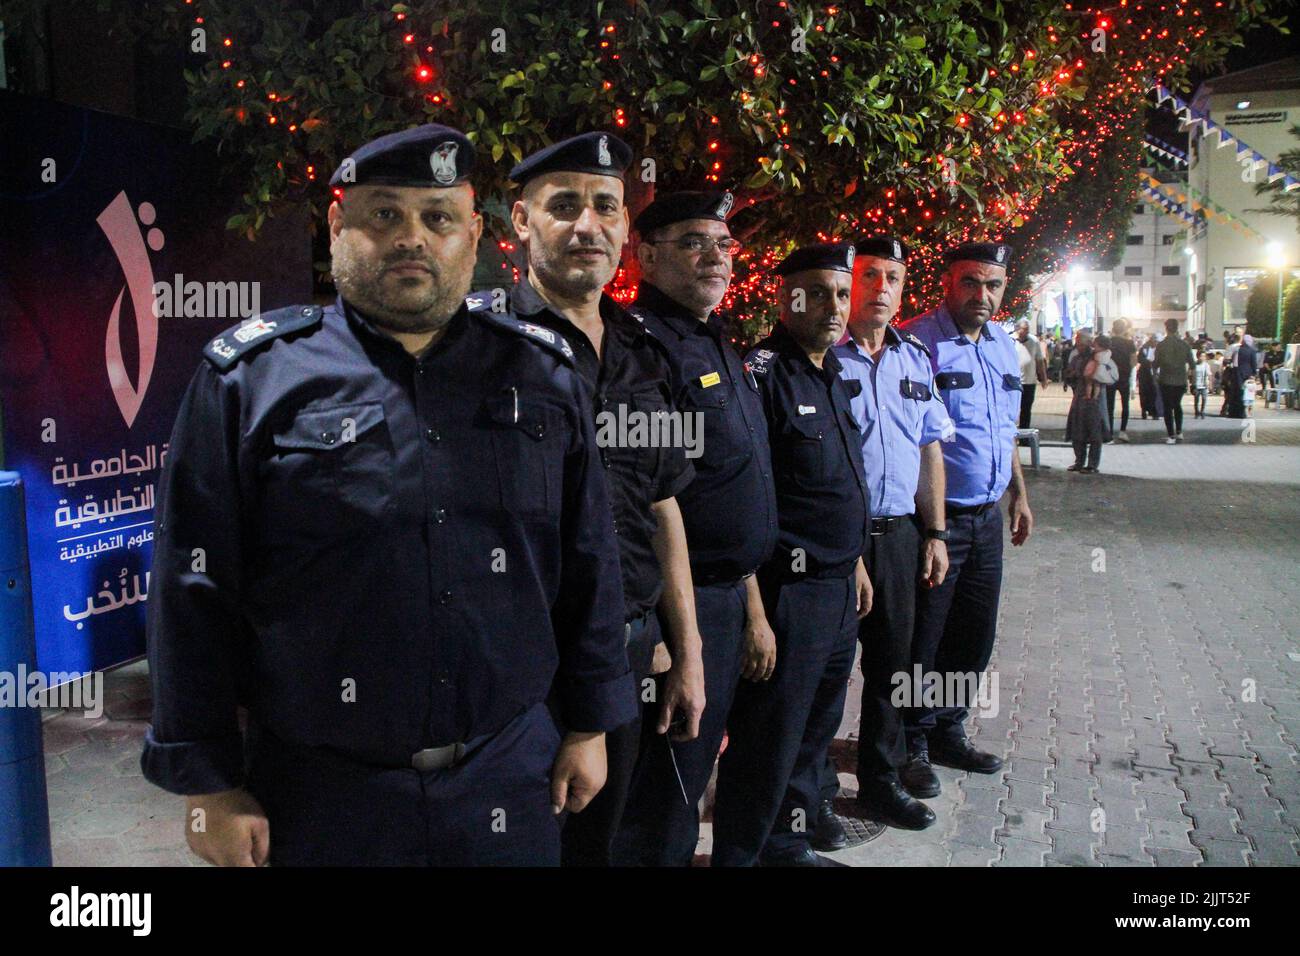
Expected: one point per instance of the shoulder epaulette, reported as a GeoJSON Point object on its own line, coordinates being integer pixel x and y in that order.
{"type": "Point", "coordinates": [913, 340]}
{"type": "Point", "coordinates": [758, 360]}
{"type": "Point", "coordinates": [543, 336]}
{"type": "Point", "coordinates": [240, 340]}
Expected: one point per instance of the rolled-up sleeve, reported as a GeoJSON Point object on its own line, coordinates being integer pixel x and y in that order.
{"type": "Point", "coordinates": [594, 683]}
{"type": "Point", "coordinates": [195, 630]}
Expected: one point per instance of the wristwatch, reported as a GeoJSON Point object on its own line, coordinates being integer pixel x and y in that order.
{"type": "Point", "coordinates": [936, 534]}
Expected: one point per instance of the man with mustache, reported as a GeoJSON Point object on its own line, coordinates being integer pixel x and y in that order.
{"type": "Point", "coordinates": [815, 587]}
{"type": "Point", "coordinates": [902, 422]}
{"type": "Point", "coordinates": [383, 530]}
{"type": "Point", "coordinates": [977, 374]}
{"type": "Point", "coordinates": [571, 219]}
{"type": "Point", "coordinates": [729, 510]}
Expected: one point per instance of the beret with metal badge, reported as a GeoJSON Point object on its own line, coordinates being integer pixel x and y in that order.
{"type": "Point", "coordinates": [429, 155]}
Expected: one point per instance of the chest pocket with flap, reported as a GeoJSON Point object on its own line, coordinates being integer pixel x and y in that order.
{"type": "Point", "coordinates": [331, 467]}
{"type": "Point", "coordinates": [529, 442]}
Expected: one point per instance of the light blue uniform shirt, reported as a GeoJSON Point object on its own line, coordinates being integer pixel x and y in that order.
{"type": "Point", "coordinates": [898, 412]}
{"type": "Point", "coordinates": [979, 383]}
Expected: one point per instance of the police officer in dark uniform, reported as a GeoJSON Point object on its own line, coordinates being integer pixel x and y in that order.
{"type": "Point", "coordinates": [383, 529]}
{"type": "Point", "coordinates": [902, 422]}
{"type": "Point", "coordinates": [571, 219]}
{"type": "Point", "coordinates": [815, 587]}
{"type": "Point", "coordinates": [977, 374]}
{"type": "Point", "coordinates": [729, 510]}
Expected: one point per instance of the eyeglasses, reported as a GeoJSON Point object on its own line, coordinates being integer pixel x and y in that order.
{"type": "Point", "coordinates": [698, 245]}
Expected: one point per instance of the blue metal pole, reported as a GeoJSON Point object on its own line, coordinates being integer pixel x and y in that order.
{"type": "Point", "coordinates": [24, 811]}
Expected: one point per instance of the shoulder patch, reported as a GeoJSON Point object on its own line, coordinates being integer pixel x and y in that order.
{"type": "Point", "coordinates": [913, 340]}
{"type": "Point", "coordinates": [758, 360]}
{"type": "Point", "coordinates": [548, 338]}
{"type": "Point", "coordinates": [240, 340]}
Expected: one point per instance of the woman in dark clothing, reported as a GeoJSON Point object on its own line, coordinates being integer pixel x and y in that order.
{"type": "Point", "coordinates": [1238, 367]}
{"type": "Point", "coordinates": [1123, 351]}
{"type": "Point", "coordinates": [1085, 426]}
{"type": "Point", "coordinates": [1148, 395]}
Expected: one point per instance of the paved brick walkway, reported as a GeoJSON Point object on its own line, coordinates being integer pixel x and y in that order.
{"type": "Point", "coordinates": [1131, 734]}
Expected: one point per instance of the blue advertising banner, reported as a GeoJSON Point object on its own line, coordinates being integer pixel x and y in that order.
{"type": "Point", "coordinates": [115, 270]}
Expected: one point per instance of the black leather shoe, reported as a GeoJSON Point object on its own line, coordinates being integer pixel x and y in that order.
{"type": "Point", "coordinates": [888, 802]}
{"type": "Point", "coordinates": [802, 856]}
{"type": "Point", "coordinates": [829, 833]}
{"type": "Point", "coordinates": [918, 777]}
{"type": "Point", "coordinates": [962, 755]}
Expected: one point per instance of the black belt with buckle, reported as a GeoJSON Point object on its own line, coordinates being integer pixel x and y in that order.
{"type": "Point", "coordinates": [956, 511]}
{"type": "Point", "coordinates": [449, 755]}
{"type": "Point", "coordinates": [438, 758]}
{"type": "Point", "coordinates": [881, 526]}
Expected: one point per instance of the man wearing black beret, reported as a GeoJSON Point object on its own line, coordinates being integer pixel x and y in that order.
{"type": "Point", "coordinates": [571, 219]}
{"type": "Point", "coordinates": [729, 510]}
{"type": "Point", "coordinates": [815, 586]}
{"type": "Point", "coordinates": [383, 530]}
{"type": "Point", "coordinates": [977, 373]}
{"type": "Point", "coordinates": [902, 424]}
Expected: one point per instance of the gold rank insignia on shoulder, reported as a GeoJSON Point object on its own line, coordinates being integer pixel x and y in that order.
{"type": "Point", "coordinates": [708, 381]}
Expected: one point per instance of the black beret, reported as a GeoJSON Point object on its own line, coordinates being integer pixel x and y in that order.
{"type": "Point", "coordinates": [678, 207]}
{"type": "Point", "coordinates": [994, 253]}
{"type": "Point", "coordinates": [429, 155]}
{"type": "Point", "coordinates": [824, 255]}
{"type": "Point", "coordinates": [601, 153]}
{"type": "Point", "coordinates": [883, 247]}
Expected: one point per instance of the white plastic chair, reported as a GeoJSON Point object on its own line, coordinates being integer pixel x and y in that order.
{"type": "Point", "coordinates": [1283, 385]}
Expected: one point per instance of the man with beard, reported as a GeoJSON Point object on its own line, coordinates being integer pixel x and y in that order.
{"type": "Point", "coordinates": [815, 587]}
{"type": "Point", "coordinates": [729, 510]}
{"type": "Point", "coordinates": [571, 219]}
{"type": "Point", "coordinates": [902, 422]}
{"type": "Point", "coordinates": [383, 530]}
{"type": "Point", "coordinates": [977, 374]}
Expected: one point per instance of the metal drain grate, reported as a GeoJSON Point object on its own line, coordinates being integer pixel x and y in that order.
{"type": "Point", "coordinates": [859, 830]}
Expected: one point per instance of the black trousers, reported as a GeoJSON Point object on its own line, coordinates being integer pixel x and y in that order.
{"type": "Point", "coordinates": [492, 809]}
{"type": "Point", "coordinates": [893, 561]}
{"type": "Point", "coordinates": [588, 836]}
{"type": "Point", "coordinates": [661, 827]}
{"type": "Point", "coordinates": [769, 778]}
{"type": "Point", "coordinates": [1172, 397]}
{"type": "Point", "coordinates": [1027, 393]}
{"type": "Point", "coordinates": [956, 623]}
{"type": "Point", "coordinates": [1123, 391]}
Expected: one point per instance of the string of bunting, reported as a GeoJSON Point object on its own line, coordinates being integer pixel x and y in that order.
{"type": "Point", "coordinates": [1199, 119]}
{"type": "Point", "coordinates": [1151, 144]}
{"type": "Point", "coordinates": [1182, 193]}
{"type": "Point", "coordinates": [1174, 210]}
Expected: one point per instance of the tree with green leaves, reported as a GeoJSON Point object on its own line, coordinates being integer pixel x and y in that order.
{"type": "Point", "coordinates": [1281, 202]}
{"type": "Point", "coordinates": [938, 122]}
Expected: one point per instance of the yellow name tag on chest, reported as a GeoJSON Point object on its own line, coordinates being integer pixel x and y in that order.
{"type": "Point", "coordinates": [713, 378]}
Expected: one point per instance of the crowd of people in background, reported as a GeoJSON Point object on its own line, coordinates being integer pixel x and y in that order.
{"type": "Point", "coordinates": [1162, 367]}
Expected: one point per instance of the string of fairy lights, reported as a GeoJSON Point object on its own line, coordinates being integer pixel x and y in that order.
{"type": "Point", "coordinates": [1100, 90]}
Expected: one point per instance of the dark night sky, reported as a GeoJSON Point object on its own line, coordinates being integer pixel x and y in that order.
{"type": "Point", "coordinates": [1262, 45]}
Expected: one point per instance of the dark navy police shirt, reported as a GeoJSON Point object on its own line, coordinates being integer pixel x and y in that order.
{"type": "Point", "coordinates": [629, 376]}
{"type": "Point", "coordinates": [821, 484]}
{"type": "Point", "coordinates": [378, 554]}
{"type": "Point", "coordinates": [730, 508]}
